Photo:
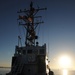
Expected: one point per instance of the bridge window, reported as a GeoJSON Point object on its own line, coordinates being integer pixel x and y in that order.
{"type": "Point", "coordinates": [29, 51]}
{"type": "Point", "coordinates": [24, 51]}
{"type": "Point", "coordinates": [42, 51]}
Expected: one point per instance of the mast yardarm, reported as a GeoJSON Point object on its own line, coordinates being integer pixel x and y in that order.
{"type": "Point", "coordinates": [29, 24]}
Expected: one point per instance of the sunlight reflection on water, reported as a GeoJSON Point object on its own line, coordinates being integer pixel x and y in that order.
{"type": "Point", "coordinates": [65, 72]}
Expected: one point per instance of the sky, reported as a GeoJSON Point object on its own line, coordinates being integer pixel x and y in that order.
{"type": "Point", "coordinates": [57, 31]}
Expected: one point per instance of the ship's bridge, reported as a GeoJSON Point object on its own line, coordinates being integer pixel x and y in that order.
{"type": "Point", "coordinates": [31, 58]}
{"type": "Point", "coordinates": [28, 50]}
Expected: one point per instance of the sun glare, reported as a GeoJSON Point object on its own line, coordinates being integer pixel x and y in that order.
{"type": "Point", "coordinates": [65, 72]}
{"type": "Point", "coordinates": [65, 61]}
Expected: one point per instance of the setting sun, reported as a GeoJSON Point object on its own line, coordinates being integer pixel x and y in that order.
{"type": "Point", "coordinates": [65, 61]}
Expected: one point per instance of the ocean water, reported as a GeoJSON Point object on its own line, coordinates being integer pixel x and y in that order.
{"type": "Point", "coordinates": [3, 71]}
{"type": "Point", "coordinates": [64, 72]}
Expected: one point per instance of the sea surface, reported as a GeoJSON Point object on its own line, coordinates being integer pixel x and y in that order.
{"type": "Point", "coordinates": [64, 72]}
{"type": "Point", "coordinates": [3, 71]}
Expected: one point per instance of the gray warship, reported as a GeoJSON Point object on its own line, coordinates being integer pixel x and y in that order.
{"type": "Point", "coordinates": [30, 59]}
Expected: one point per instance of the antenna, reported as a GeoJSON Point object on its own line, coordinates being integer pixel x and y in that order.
{"type": "Point", "coordinates": [29, 24]}
{"type": "Point", "coordinates": [19, 41]}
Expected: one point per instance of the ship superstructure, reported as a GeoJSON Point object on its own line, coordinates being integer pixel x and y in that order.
{"type": "Point", "coordinates": [30, 59]}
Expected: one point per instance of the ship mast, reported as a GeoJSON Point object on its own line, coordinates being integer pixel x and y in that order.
{"type": "Point", "coordinates": [29, 24]}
